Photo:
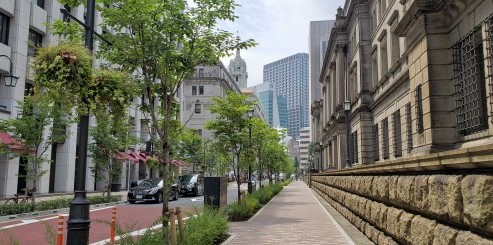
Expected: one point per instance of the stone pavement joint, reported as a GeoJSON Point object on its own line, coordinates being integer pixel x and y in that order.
{"type": "Point", "coordinates": [294, 216]}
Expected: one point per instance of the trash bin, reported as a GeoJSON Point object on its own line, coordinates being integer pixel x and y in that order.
{"type": "Point", "coordinates": [115, 187]}
{"type": "Point", "coordinates": [216, 191]}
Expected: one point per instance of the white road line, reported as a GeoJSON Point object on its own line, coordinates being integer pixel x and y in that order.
{"type": "Point", "coordinates": [31, 221]}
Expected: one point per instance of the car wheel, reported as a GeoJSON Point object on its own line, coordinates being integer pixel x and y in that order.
{"type": "Point", "coordinates": [160, 198]}
{"type": "Point", "coordinates": [177, 195]}
{"type": "Point", "coordinates": [196, 192]}
{"type": "Point", "coordinates": [131, 202]}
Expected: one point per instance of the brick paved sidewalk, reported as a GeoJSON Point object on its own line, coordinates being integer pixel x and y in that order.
{"type": "Point", "coordinates": [294, 216]}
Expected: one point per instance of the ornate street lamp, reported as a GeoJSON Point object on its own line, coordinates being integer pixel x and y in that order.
{"type": "Point", "coordinates": [250, 186]}
{"type": "Point", "coordinates": [347, 109]}
{"type": "Point", "coordinates": [9, 79]}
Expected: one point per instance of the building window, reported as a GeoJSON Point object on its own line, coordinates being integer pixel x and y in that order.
{"type": "Point", "coordinates": [396, 123]}
{"type": "Point", "coordinates": [201, 72]}
{"type": "Point", "coordinates": [194, 90]}
{"type": "Point", "coordinates": [409, 128]}
{"type": "Point", "coordinates": [385, 132]}
{"type": "Point", "coordinates": [470, 99]}
{"type": "Point", "coordinates": [198, 108]}
{"type": "Point", "coordinates": [4, 29]}
{"type": "Point", "coordinates": [354, 137]}
{"type": "Point", "coordinates": [489, 48]}
{"type": "Point", "coordinates": [201, 90]}
{"type": "Point", "coordinates": [199, 132]}
{"type": "Point", "coordinates": [40, 3]}
{"type": "Point", "coordinates": [374, 66]}
{"type": "Point", "coordinates": [35, 41]}
{"type": "Point", "coordinates": [383, 56]}
{"type": "Point", "coordinates": [419, 109]}
{"type": "Point", "coordinates": [376, 147]}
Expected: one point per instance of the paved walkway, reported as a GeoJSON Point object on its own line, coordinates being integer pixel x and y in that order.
{"type": "Point", "coordinates": [294, 216]}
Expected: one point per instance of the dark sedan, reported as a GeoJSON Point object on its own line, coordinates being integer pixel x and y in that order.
{"type": "Point", "coordinates": [151, 190]}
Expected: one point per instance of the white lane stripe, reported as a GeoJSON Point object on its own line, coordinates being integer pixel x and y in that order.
{"type": "Point", "coordinates": [135, 233]}
{"type": "Point", "coordinates": [31, 221]}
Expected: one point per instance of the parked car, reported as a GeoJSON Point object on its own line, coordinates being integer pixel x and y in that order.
{"type": "Point", "coordinates": [192, 184]}
{"type": "Point", "coordinates": [151, 190]}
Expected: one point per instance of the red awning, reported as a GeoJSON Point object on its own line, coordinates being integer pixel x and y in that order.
{"type": "Point", "coordinates": [124, 156]}
{"type": "Point", "coordinates": [12, 143]}
{"type": "Point", "coordinates": [138, 156]}
{"type": "Point", "coordinates": [180, 163]}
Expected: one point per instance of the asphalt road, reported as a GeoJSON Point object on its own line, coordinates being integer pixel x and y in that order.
{"type": "Point", "coordinates": [130, 217]}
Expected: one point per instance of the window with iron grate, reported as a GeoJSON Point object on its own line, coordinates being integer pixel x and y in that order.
{"type": "Point", "coordinates": [355, 146]}
{"type": "Point", "coordinates": [409, 128]}
{"type": "Point", "coordinates": [489, 49]}
{"type": "Point", "coordinates": [419, 109]}
{"type": "Point", "coordinates": [351, 149]}
{"type": "Point", "coordinates": [470, 91]}
{"type": "Point", "coordinates": [396, 124]}
{"type": "Point", "coordinates": [385, 132]}
{"type": "Point", "coordinates": [376, 148]}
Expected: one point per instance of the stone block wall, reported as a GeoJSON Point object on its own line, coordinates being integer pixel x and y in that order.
{"type": "Point", "coordinates": [414, 209]}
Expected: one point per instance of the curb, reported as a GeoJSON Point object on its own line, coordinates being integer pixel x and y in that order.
{"type": "Point", "coordinates": [230, 238]}
{"type": "Point", "coordinates": [53, 211]}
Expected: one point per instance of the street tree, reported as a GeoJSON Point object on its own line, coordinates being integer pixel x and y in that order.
{"type": "Point", "coordinates": [39, 125]}
{"type": "Point", "coordinates": [162, 42]}
{"type": "Point", "coordinates": [189, 147]}
{"type": "Point", "coordinates": [230, 128]}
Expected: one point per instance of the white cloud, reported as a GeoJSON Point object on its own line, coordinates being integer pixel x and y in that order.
{"type": "Point", "coordinates": [280, 28]}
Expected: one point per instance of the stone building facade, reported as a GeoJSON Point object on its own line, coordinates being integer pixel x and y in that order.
{"type": "Point", "coordinates": [417, 75]}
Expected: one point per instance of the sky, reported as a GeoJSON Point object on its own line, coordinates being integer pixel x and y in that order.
{"type": "Point", "coordinates": [280, 27]}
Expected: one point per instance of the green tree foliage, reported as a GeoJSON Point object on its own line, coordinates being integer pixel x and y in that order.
{"type": "Point", "coordinates": [230, 128]}
{"type": "Point", "coordinates": [40, 123]}
{"type": "Point", "coordinates": [162, 42]}
{"type": "Point", "coordinates": [190, 147]}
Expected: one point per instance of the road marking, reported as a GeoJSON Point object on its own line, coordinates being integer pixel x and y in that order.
{"type": "Point", "coordinates": [31, 221]}
{"type": "Point", "coordinates": [197, 199]}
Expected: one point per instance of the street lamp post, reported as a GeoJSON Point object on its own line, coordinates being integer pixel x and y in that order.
{"type": "Point", "coordinates": [78, 222]}
{"type": "Point", "coordinates": [347, 109]}
{"type": "Point", "coordinates": [321, 156]}
{"type": "Point", "coordinates": [250, 186]}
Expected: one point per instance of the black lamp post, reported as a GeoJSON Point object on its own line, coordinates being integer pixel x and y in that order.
{"type": "Point", "coordinates": [347, 109]}
{"type": "Point", "coordinates": [10, 79]}
{"type": "Point", "coordinates": [250, 186]}
{"type": "Point", "coordinates": [78, 222]}
{"type": "Point", "coordinates": [321, 156]}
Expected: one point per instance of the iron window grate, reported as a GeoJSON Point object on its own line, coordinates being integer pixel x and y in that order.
{"type": "Point", "coordinates": [418, 94]}
{"type": "Point", "coordinates": [385, 132]}
{"type": "Point", "coordinates": [355, 146]}
{"type": "Point", "coordinates": [470, 99]}
{"type": "Point", "coordinates": [489, 50]}
{"type": "Point", "coordinates": [396, 123]}
{"type": "Point", "coordinates": [351, 149]}
{"type": "Point", "coordinates": [409, 128]}
{"type": "Point", "coordinates": [376, 148]}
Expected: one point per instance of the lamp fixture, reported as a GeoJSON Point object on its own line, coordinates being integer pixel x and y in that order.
{"type": "Point", "coordinates": [9, 78]}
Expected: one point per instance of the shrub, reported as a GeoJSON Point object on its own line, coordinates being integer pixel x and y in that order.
{"type": "Point", "coordinates": [239, 212]}
{"type": "Point", "coordinates": [264, 194]}
{"type": "Point", "coordinates": [210, 227]}
{"type": "Point", "coordinates": [57, 203]}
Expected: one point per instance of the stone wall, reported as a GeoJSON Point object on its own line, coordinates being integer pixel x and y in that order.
{"type": "Point", "coordinates": [414, 208]}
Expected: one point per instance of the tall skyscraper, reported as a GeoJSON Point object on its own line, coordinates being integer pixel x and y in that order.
{"type": "Point", "coordinates": [318, 41]}
{"type": "Point", "coordinates": [274, 105]}
{"type": "Point", "coordinates": [290, 79]}
{"type": "Point", "coordinates": [238, 69]}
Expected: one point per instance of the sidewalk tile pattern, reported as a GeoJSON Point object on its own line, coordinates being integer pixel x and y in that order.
{"type": "Point", "coordinates": [294, 216]}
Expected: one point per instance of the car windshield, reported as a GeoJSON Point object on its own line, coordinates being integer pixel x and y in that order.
{"type": "Point", "coordinates": [148, 183]}
{"type": "Point", "coordinates": [185, 178]}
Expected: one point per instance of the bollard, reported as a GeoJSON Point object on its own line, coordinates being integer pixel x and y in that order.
{"type": "Point", "coordinates": [60, 230]}
{"type": "Point", "coordinates": [113, 224]}
{"type": "Point", "coordinates": [172, 226]}
{"type": "Point", "coordinates": [180, 222]}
